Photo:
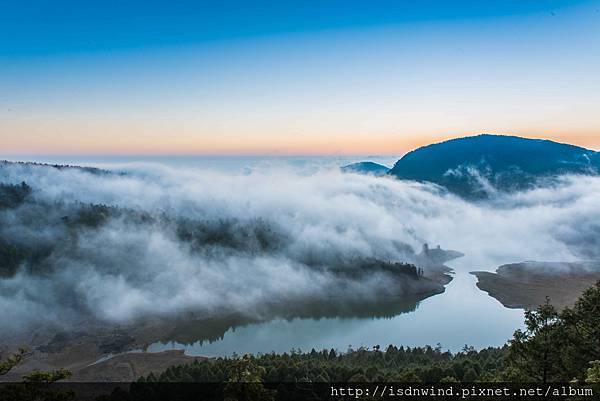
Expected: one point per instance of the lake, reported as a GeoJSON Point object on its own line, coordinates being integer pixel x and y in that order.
{"type": "Point", "coordinates": [462, 315]}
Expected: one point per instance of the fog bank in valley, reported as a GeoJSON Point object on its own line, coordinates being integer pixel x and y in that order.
{"type": "Point", "coordinates": [167, 240]}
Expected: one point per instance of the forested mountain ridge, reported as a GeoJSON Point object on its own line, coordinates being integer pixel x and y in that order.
{"type": "Point", "coordinates": [478, 166]}
{"type": "Point", "coordinates": [366, 168]}
{"type": "Point", "coordinates": [92, 170]}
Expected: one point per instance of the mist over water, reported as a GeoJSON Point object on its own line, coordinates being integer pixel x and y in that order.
{"type": "Point", "coordinates": [463, 315]}
{"type": "Point", "coordinates": [285, 220]}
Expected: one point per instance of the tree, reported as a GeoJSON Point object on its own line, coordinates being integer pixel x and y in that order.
{"type": "Point", "coordinates": [245, 381]}
{"type": "Point", "coordinates": [593, 373]}
{"type": "Point", "coordinates": [11, 362]}
{"type": "Point", "coordinates": [582, 332]}
{"type": "Point", "coordinates": [46, 377]}
{"type": "Point", "coordinates": [35, 385]}
{"type": "Point", "coordinates": [535, 353]}
{"type": "Point", "coordinates": [409, 376]}
{"type": "Point", "coordinates": [470, 376]}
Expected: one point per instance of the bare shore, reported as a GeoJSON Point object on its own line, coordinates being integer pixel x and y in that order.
{"type": "Point", "coordinates": [526, 285]}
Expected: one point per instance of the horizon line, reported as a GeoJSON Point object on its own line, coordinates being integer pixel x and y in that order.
{"type": "Point", "coordinates": [276, 154]}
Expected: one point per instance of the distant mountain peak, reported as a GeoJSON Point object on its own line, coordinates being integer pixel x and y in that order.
{"type": "Point", "coordinates": [476, 166]}
{"type": "Point", "coordinates": [366, 167]}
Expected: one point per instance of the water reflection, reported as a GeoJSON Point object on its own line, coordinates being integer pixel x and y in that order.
{"type": "Point", "coordinates": [206, 332]}
{"type": "Point", "coordinates": [462, 315]}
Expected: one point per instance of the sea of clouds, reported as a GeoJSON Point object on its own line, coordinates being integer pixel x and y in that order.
{"type": "Point", "coordinates": [123, 269]}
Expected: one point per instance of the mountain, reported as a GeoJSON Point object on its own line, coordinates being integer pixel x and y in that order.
{"type": "Point", "coordinates": [26, 165]}
{"type": "Point", "coordinates": [477, 166]}
{"type": "Point", "coordinates": [366, 168]}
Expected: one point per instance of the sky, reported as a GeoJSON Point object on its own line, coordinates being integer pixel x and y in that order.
{"type": "Point", "coordinates": [293, 78]}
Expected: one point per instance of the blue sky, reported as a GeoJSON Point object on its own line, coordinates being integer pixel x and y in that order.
{"type": "Point", "coordinates": [61, 27]}
{"type": "Point", "coordinates": [293, 77]}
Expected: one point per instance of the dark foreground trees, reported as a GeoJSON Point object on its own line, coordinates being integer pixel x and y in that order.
{"type": "Point", "coordinates": [10, 362]}
{"type": "Point", "coordinates": [35, 385]}
{"type": "Point", "coordinates": [558, 346]}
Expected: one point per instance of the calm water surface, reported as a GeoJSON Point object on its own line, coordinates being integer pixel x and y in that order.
{"type": "Point", "coordinates": [462, 315]}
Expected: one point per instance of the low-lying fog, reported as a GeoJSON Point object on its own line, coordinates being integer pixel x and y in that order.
{"type": "Point", "coordinates": [280, 223]}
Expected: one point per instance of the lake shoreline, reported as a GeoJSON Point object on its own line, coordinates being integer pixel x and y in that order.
{"type": "Point", "coordinates": [119, 353]}
{"type": "Point", "coordinates": [526, 285]}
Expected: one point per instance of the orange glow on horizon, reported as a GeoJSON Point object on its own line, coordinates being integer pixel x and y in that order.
{"type": "Point", "coordinates": [87, 135]}
{"type": "Point", "coordinates": [276, 146]}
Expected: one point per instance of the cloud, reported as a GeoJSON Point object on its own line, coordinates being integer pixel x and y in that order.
{"type": "Point", "coordinates": [174, 240]}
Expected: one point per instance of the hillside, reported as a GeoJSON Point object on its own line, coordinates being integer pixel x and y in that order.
{"type": "Point", "coordinates": [366, 168]}
{"type": "Point", "coordinates": [480, 165]}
